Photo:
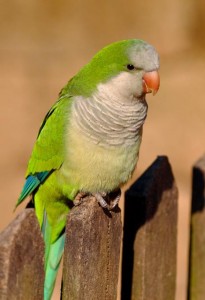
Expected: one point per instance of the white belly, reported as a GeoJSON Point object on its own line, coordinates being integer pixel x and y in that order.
{"type": "Point", "coordinates": [93, 168]}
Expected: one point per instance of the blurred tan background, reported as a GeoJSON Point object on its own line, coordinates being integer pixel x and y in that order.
{"type": "Point", "coordinates": [44, 43]}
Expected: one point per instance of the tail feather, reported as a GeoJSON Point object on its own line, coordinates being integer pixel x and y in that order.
{"type": "Point", "coordinates": [53, 255]}
{"type": "Point", "coordinates": [52, 266]}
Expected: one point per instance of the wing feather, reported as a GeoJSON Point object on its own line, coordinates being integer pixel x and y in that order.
{"type": "Point", "coordinates": [48, 151]}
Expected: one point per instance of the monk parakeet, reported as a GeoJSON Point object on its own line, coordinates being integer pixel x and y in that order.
{"type": "Point", "coordinates": [89, 140]}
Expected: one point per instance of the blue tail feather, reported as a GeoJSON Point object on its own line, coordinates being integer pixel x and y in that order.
{"type": "Point", "coordinates": [53, 255]}
{"type": "Point", "coordinates": [53, 263]}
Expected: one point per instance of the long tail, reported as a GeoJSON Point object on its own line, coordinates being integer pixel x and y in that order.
{"type": "Point", "coordinates": [42, 187]}
{"type": "Point", "coordinates": [53, 255]}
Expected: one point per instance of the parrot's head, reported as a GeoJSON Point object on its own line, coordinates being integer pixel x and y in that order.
{"type": "Point", "coordinates": [128, 68]}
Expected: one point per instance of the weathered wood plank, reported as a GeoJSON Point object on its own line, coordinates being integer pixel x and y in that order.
{"type": "Point", "coordinates": [150, 235]}
{"type": "Point", "coordinates": [92, 253]}
{"type": "Point", "coordinates": [197, 239]}
{"type": "Point", "coordinates": [21, 259]}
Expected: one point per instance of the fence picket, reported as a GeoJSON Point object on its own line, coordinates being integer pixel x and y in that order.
{"type": "Point", "coordinates": [92, 253]}
{"type": "Point", "coordinates": [150, 235]}
{"type": "Point", "coordinates": [21, 259]}
{"type": "Point", "coordinates": [196, 289]}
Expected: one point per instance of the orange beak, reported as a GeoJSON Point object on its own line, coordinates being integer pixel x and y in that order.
{"type": "Point", "coordinates": [151, 82]}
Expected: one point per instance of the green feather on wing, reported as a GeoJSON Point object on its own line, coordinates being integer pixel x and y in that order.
{"type": "Point", "coordinates": [48, 151]}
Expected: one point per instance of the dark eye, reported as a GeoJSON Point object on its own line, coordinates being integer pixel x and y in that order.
{"type": "Point", "coordinates": [130, 67]}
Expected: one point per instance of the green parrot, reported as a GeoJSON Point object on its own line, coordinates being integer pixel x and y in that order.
{"type": "Point", "coordinates": [89, 140]}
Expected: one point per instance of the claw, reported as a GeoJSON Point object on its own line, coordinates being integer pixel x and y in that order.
{"type": "Point", "coordinates": [112, 201]}
{"type": "Point", "coordinates": [100, 199]}
{"type": "Point", "coordinates": [115, 201]}
{"type": "Point", "coordinates": [79, 198]}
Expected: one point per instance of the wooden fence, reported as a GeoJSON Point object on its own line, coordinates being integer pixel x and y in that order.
{"type": "Point", "coordinates": [93, 242]}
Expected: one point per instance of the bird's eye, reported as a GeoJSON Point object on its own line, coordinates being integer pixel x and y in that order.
{"type": "Point", "coordinates": [130, 67]}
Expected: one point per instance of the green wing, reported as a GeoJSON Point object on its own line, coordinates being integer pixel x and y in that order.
{"type": "Point", "coordinates": [48, 151]}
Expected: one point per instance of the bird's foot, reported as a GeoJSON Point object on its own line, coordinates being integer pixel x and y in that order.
{"type": "Point", "coordinates": [81, 196]}
{"type": "Point", "coordinates": [108, 201]}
